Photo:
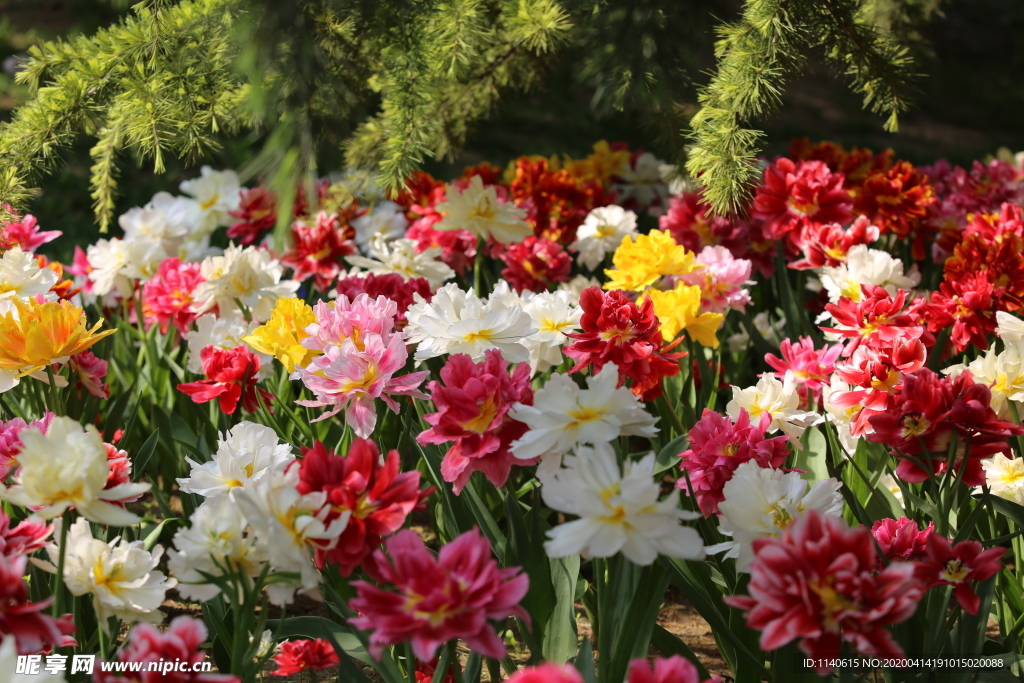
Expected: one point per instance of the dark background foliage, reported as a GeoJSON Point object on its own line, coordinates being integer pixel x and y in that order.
{"type": "Point", "coordinates": [969, 100]}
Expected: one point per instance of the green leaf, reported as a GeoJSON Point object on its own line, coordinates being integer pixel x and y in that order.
{"type": "Point", "coordinates": [813, 457]}
{"type": "Point", "coordinates": [488, 525]}
{"type": "Point", "coordinates": [584, 661]}
{"type": "Point", "coordinates": [153, 537]}
{"type": "Point", "coordinates": [1009, 509]}
{"type": "Point", "coordinates": [527, 552]}
{"type": "Point", "coordinates": [559, 643]}
{"type": "Point", "coordinates": [146, 452]}
{"type": "Point", "coordinates": [668, 457]}
{"type": "Point", "coordinates": [116, 413]}
{"type": "Point", "coordinates": [709, 606]}
{"type": "Point", "coordinates": [634, 635]}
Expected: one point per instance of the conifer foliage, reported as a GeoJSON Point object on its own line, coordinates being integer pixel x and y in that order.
{"type": "Point", "coordinates": [394, 83]}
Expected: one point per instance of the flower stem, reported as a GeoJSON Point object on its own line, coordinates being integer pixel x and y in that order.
{"type": "Point", "coordinates": [58, 587]}
{"type": "Point", "coordinates": [477, 265]}
{"type": "Point", "coordinates": [103, 641]}
{"type": "Point", "coordinates": [673, 416]}
{"type": "Point", "coordinates": [54, 395]}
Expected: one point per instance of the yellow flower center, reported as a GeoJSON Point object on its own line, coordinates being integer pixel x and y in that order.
{"type": "Point", "coordinates": [363, 383]}
{"type": "Point", "coordinates": [484, 209]}
{"type": "Point", "coordinates": [364, 507]}
{"type": "Point", "coordinates": [955, 571]}
{"type": "Point", "coordinates": [888, 384]}
{"type": "Point", "coordinates": [808, 209]}
{"type": "Point", "coordinates": [480, 335]}
{"type": "Point", "coordinates": [435, 618]}
{"type": "Point", "coordinates": [102, 578]}
{"type": "Point", "coordinates": [480, 423]}
{"type": "Point", "coordinates": [914, 425]}
{"type": "Point", "coordinates": [832, 603]}
{"type": "Point", "coordinates": [587, 414]}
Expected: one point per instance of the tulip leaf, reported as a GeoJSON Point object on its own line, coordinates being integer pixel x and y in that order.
{"type": "Point", "coordinates": [634, 634]}
{"type": "Point", "coordinates": [529, 553]}
{"type": "Point", "coordinates": [584, 661]}
{"type": "Point", "coordinates": [154, 536]}
{"type": "Point", "coordinates": [813, 457]}
{"type": "Point", "coordinates": [1008, 508]}
{"type": "Point", "coordinates": [116, 412]}
{"type": "Point", "coordinates": [668, 457]}
{"type": "Point", "coordinates": [560, 630]}
{"type": "Point", "coordinates": [146, 452]}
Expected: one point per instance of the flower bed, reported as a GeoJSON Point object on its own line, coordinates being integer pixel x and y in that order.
{"type": "Point", "coordinates": [575, 383]}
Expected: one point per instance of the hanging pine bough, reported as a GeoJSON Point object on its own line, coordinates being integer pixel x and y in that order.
{"type": "Point", "coordinates": [508, 422]}
{"type": "Point", "coordinates": [398, 82]}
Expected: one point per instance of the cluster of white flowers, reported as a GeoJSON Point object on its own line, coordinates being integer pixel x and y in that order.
{"type": "Point", "coordinates": [563, 416]}
{"type": "Point", "coordinates": [780, 399]}
{"type": "Point", "coordinates": [458, 321]}
{"type": "Point", "coordinates": [400, 256]}
{"type": "Point", "coordinates": [168, 226]}
{"type": "Point", "coordinates": [618, 510]}
{"type": "Point", "coordinates": [121, 576]}
{"type": "Point", "coordinates": [601, 233]}
{"type": "Point", "coordinates": [67, 467]}
{"type": "Point", "coordinates": [762, 502]}
{"type": "Point", "coordinates": [385, 219]}
{"type": "Point", "coordinates": [478, 209]}
{"type": "Point", "coordinates": [21, 276]}
{"type": "Point", "coordinates": [252, 515]}
{"type": "Point", "coordinates": [866, 266]}
{"type": "Point", "coordinates": [248, 277]}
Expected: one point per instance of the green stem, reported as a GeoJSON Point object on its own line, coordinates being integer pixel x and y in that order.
{"type": "Point", "coordinates": [58, 588]}
{"type": "Point", "coordinates": [673, 417]}
{"type": "Point", "coordinates": [103, 641]}
{"type": "Point", "coordinates": [54, 395]}
{"type": "Point", "coordinates": [410, 663]}
{"type": "Point", "coordinates": [477, 266]}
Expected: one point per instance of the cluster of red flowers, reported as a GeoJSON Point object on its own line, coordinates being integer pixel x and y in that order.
{"type": "Point", "coordinates": [377, 494]}
{"type": "Point", "coordinates": [453, 595]}
{"type": "Point", "coordinates": [231, 377]}
{"type": "Point", "coordinates": [984, 274]}
{"type": "Point", "coordinates": [885, 344]}
{"type": "Point", "coordinates": [318, 247]}
{"type": "Point", "coordinates": [616, 330]}
{"type": "Point", "coordinates": [812, 367]}
{"type": "Point", "coordinates": [818, 582]}
{"type": "Point", "coordinates": [29, 623]}
{"type": "Point", "coordinates": [718, 447]}
{"type": "Point", "coordinates": [167, 297]}
{"type": "Point", "coordinates": [391, 285]}
{"type": "Point", "coordinates": [942, 421]}
{"type": "Point", "coordinates": [936, 561]}
{"type": "Point", "coordinates": [556, 201]}
{"type": "Point", "coordinates": [301, 655]}
{"type": "Point", "coordinates": [473, 400]}
{"type": "Point", "coordinates": [535, 263]}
